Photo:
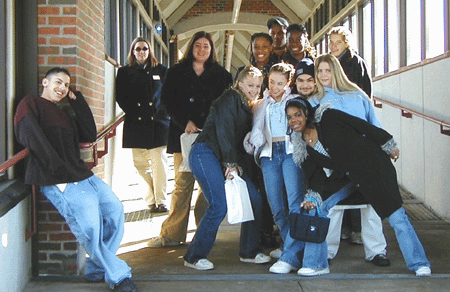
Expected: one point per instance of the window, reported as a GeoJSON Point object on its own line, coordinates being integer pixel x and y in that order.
{"type": "Point", "coordinates": [111, 29]}
{"type": "Point", "coordinates": [345, 23]}
{"type": "Point", "coordinates": [324, 45]}
{"type": "Point", "coordinates": [413, 31]}
{"type": "Point", "coordinates": [434, 28]}
{"type": "Point", "coordinates": [354, 28]}
{"type": "Point", "coordinates": [393, 32]}
{"type": "Point", "coordinates": [379, 26]}
{"type": "Point", "coordinates": [367, 35]}
{"type": "Point", "coordinates": [2, 86]}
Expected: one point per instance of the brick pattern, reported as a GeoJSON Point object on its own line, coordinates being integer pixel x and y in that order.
{"type": "Point", "coordinates": [213, 6]}
{"type": "Point", "coordinates": [57, 245]}
{"type": "Point", "coordinates": [70, 35]}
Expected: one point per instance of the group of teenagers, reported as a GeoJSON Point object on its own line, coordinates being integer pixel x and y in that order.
{"type": "Point", "coordinates": [311, 132]}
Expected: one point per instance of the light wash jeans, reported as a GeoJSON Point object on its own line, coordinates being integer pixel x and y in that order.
{"type": "Point", "coordinates": [284, 182]}
{"type": "Point", "coordinates": [207, 170]}
{"type": "Point", "coordinates": [95, 216]}
{"type": "Point", "coordinates": [315, 255]}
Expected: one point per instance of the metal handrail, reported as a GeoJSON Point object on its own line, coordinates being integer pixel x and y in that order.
{"type": "Point", "coordinates": [107, 133]}
{"type": "Point", "coordinates": [408, 113]}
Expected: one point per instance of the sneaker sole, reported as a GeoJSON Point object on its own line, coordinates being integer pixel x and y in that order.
{"type": "Point", "coordinates": [318, 273]}
{"type": "Point", "coordinates": [189, 265]}
{"type": "Point", "coordinates": [253, 261]}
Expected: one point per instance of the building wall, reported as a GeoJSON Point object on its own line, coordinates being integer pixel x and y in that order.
{"type": "Point", "coordinates": [15, 251]}
{"type": "Point", "coordinates": [424, 152]}
{"type": "Point", "coordinates": [71, 35]}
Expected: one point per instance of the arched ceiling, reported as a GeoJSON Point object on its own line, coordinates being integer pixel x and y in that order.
{"type": "Point", "coordinates": [229, 26]}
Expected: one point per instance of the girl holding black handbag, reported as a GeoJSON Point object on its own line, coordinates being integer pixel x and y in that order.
{"type": "Point", "coordinates": [334, 149]}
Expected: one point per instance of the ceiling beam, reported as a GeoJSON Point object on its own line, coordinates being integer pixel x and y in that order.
{"type": "Point", "coordinates": [240, 52]}
{"type": "Point", "coordinates": [291, 15]}
{"type": "Point", "coordinates": [179, 12]}
{"type": "Point", "coordinates": [229, 54]}
{"type": "Point", "coordinates": [236, 10]}
{"type": "Point", "coordinates": [310, 4]}
{"type": "Point", "coordinates": [253, 22]}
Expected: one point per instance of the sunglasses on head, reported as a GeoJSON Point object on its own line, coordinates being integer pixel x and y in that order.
{"type": "Point", "coordinates": [141, 49]}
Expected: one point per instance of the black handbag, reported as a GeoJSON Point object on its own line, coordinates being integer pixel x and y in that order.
{"type": "Point", "coordinates": [308, 228]}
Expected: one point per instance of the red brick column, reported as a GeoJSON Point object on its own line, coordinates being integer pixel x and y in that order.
{"type": "Point", "coordinates": [70, 35]}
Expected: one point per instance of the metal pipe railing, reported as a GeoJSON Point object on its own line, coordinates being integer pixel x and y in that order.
{"type": "Point", "coordinates": [107, 133]}
{"type": "Point", "coordinates": [408, 113]}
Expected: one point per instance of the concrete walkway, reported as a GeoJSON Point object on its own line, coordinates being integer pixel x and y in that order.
{"type": "Point", "coordinates": [162, 269]}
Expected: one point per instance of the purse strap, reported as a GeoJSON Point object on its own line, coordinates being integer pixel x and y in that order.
{"type": "Point", "coordinates": [317, 206]}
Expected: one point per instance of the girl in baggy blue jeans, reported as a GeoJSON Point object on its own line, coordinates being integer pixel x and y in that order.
{"type": "Point", "coordinates": [217, 153]}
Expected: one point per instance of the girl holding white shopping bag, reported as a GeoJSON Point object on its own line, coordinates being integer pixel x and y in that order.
{"type": "Point", "coordinates": [218, 152]}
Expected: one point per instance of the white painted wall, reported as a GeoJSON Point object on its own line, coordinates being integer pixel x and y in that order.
{"type": "Point", "coordinates": [424, 165]}
{"type": "Point", "coordinates": [15, 251]}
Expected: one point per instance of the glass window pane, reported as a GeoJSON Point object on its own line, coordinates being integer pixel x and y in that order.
{"type": "Point", "coordinates": [367, 35]}
{"type": "Point", "coordinates": [345, 23]}
{"type": "Point", "coordinates": [434, 25]}
{"type": "Point", "coordinates": [413, 32]}
{"type": "Point", "coordinates": [354, 29]}
{"type": "Point", "coordinates": [393, 35]}
{"type": "Point", "coordinates": [324, 46]}
{"type": "Point", "coordinates": [379, 36]}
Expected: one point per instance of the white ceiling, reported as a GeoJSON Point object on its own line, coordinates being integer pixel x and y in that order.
{"type": "Point", "coordinates": [239, 32]}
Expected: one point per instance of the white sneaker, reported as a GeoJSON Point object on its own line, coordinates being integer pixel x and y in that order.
{"type": "Point", "coordinates": [276, 253]}
{"type": "Point", "coordinates": [202, 265]}
{"type": "Point", "coordinates": [281, 267]}
{"type": "Point", "coordinates": [307, 272]}
{"type": "Point", "coordinates": [423, 272]}
{"type": "Point", "coordinates": [356, 238]}
{"type": "Point", "coordinates": [258, 259]}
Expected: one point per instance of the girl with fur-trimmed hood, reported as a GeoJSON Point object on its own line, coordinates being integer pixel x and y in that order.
{"type": "Point", "coordinates": [340, 154]}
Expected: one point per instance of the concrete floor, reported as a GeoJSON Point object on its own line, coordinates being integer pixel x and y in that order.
{"type": "Point", "coordinates": [161, 269]}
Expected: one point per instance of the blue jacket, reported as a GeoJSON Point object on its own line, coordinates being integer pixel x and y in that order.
{"type": "Point", "coordinates": [354, 103]}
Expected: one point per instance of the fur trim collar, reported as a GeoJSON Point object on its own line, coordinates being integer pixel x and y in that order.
{"type": "Point", "coordinates": [299, 154]}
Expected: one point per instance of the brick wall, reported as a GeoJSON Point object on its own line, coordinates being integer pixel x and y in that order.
{"type": "Point", "coordinates": [213, 6]}
{"type": "Point", "coordinates": [70, 35]}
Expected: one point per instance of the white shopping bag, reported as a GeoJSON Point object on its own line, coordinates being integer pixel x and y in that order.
{"type": "Point", "coordinates": [186, 141]}
{"type": "Point", "coordinates": [238, 200]}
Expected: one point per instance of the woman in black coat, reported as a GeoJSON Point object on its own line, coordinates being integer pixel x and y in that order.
{"type": "Point", "coordinates": [341, 153]}
{"type": "Point", "coordinates": [218, 154]}
{"type": "Point", "coordinates": [187, 93]}
{"type": "Point", "coordinates": [138, 89]}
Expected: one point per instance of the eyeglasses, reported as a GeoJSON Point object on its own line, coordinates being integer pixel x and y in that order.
{"type": "Point", "coordinates": [141, 49]}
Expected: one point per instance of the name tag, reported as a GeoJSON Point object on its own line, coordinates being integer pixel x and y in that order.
{"type": "Point", "coordinates": [156, 77]}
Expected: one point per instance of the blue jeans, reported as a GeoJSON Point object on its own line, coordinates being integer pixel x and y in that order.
{"type": "Point", "coordinates": [409, 243]}
{"type": "Point", "coordinates": [315, 256]}
{"type": "Point", "coordinates": [95, 216]}
{"type": "Point", "coordinates": [285, 188]}
{"type": "Point", "coordinates": [207, 170]}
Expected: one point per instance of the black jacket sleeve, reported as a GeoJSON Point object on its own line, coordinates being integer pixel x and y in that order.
{"type": "Point", "coordinates": [84, 119]}
{"type": "Point", "coordinates": [225, 113]}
